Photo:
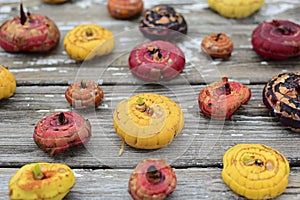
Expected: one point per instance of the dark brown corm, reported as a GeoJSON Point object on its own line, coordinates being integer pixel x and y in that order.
{"type": "Point", "coordinates": [163, 22]}
{"type": "Point", "coordinates": [282, 96]}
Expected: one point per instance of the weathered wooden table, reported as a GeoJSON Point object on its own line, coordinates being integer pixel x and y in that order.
{"type": "Point", "coordinates": [197, 153]}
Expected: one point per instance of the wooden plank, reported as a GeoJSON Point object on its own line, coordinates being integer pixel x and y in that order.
{"type": "Point", "coordinates": [57, 68]}
{"type": "Point", "coordinates": [202, 142]}
{"type": "Point", "coordinates": [250, 70]}
{"type": "Point", "coordinates": [194, 183]}
{"type": "Point", "coordinates": [43, 78]}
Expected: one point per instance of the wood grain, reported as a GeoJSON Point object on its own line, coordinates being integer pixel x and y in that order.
{"type": "Point", "coordinates": [202, 142]}
{"type": "Point", "coordinates": [57, 68]}
{"type": "Point", "coordinates": [197, 152]}
{"type": "Point", "coordinates": [194, 183]}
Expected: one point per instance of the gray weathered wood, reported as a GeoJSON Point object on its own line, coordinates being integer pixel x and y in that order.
{"type": "Point", "coordinates": [57, 68]}
{"type": "Point", "coordinates": [202, 142]}
{"type": "Point", "coordinates": [194, 183]}
{"type": "Point", "coordinates": [196, 153]}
